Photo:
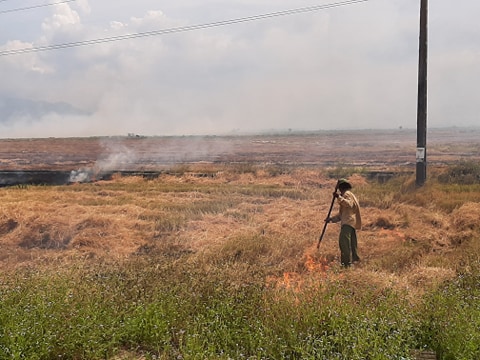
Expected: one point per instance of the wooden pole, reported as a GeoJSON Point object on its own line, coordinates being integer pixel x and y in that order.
{"type": "Point", "coordinates": [421, 156]}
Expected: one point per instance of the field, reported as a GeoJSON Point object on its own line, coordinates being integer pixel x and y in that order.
{"type": "Point", "coordinates": [366, 148]}
{"type": "Point", "coordinates": [215, 257]}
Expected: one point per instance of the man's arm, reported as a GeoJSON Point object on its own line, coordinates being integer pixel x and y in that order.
{"type": "Point", "coordinates": [333, 219]}
{"type": "Point", "coordinates": [347, 200]}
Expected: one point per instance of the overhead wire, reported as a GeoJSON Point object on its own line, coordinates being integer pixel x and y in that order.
{"type": "Point", "coordinates": [179, 29]}
{"type": "Point", "coordinates": [33, 6]}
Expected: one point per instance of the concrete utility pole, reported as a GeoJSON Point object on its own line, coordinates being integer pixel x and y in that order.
{"type": "Point", "coordinates": [421, 173]}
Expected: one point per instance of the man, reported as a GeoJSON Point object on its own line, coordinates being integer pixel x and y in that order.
{"type": "Point", "coordinates": [350, 221]}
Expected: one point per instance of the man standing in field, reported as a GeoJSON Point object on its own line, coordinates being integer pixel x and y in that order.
{"type": "Point", "coordinates": [350, 221]}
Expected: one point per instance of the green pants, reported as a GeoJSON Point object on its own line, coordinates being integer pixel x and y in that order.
{"type": "Point", "coordinates": [348, 245]}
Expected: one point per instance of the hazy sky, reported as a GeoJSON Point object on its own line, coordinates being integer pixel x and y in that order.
{"type": "Point", "coordinates": [347, 67]}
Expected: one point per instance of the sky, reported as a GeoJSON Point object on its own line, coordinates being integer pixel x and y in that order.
{"type": "Point", "coordinates": [351, 66]}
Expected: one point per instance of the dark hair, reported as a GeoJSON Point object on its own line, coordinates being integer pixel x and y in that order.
{"type": "Point", "coordinates": [344, 186]}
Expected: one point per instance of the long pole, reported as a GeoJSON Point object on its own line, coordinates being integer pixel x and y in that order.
{"type": "Point", "coordinates": [328, 216]}
{"type": "Point", "coordinates": [421, 156]}
{"type": "Point", "coordinates": [326, 222]}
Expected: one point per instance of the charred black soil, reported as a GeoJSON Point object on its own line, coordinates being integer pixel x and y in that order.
{"type": "Point", "coordinates": [63, 160]}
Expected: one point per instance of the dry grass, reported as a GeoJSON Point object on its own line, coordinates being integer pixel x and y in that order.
{"type": "Point", "coordinates": [249, 218]}
{"type": "Point", "coordinates": [228, 236]}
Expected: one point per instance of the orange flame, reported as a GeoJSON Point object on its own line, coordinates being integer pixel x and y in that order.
{"type": "Point", "coordinates": [313, 266]}
{"type": "Point", "coordinates": [292, 280]}
{"type": "Point", "coordinates": [295, 281]}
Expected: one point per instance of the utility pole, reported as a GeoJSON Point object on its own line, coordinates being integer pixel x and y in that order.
{"type": "Point", "coordinates": [421, 156]}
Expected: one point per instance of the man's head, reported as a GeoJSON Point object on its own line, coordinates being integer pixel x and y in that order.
{"type": "Point", "coordinates": [344, 185]}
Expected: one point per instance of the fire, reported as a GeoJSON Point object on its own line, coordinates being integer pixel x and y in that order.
{"type": "Point", "coordinates": [312, 266]}
{"type": "Point", "coordinates": [314, 269]}
{"type": "Point", "coordinates": [292, 280]}
{"type": "Point", "coordinates": [297, 280]}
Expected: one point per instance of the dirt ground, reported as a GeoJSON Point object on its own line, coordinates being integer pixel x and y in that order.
{"type": "Point", "coordinates": [378, 149]}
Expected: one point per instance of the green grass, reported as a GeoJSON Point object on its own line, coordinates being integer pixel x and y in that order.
{"type": "Point", "coordinates": [193, 312]}
{"type": "Point", "coordinates": [452, 316]}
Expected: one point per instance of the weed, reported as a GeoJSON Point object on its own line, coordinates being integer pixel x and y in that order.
{"type": "Point", "coordinates": [452, 317]}
{"type": "Point", "coordinates": [344, 171]}
{"type": "Point", "coordinates": [465, 172]}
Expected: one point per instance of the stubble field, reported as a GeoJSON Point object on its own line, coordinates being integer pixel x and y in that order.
{"type": "Point", "coordinates": [231, 216]}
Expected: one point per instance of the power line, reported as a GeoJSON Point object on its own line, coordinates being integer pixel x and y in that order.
{"type": "Point", "coordinates": [179, 29]}
{"type": "Point", "coordinates": [33, 6]}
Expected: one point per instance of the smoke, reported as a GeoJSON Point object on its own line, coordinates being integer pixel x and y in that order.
{"type": "Point", "coordinates": [139, 153]}
{"type": "Point", "coordinates": [117, 157]}
{"type": "Point", "coordinates": [80, 176]}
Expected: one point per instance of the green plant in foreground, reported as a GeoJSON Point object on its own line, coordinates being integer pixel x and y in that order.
{"type": "Point", "coordinates": [178, 311]}
{"type": "Point", "coordinates": [452, 324]}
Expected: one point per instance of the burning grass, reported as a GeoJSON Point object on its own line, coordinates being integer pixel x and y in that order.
{"type": "Point", "coordinates": [227, 267]}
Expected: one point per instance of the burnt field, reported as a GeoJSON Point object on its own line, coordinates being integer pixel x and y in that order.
{"type": "Point", "coordinates": [63, 160]}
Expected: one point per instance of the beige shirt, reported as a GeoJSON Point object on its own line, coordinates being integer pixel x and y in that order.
{"type": "Point", "coordinates": [349, 213]}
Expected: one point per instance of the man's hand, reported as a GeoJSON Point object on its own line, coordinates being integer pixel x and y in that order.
{"type": "Point", "coordinates": [329, 219]}
{"type": "Point", "coordinates": [336, 195]}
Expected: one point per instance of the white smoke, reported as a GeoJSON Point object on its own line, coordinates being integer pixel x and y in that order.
{"type": "Point", "coordinates": [80, 176]}
{"type": "Point", "coordinates": [117, 157]}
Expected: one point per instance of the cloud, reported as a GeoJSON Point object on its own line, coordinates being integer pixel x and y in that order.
{"type": "Point", "coordinates": [83, 6]}
{"type": "Point", "coordinates": [63, 20]}
{"type": "Point", "coordinates": [348, 67]}
{"type": "Point", "coordinates": [27, 63]}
